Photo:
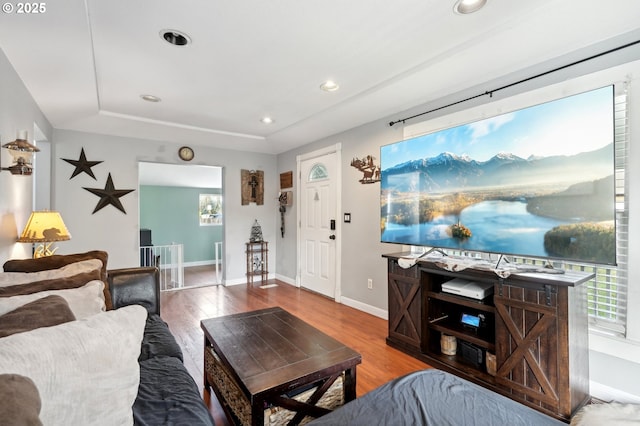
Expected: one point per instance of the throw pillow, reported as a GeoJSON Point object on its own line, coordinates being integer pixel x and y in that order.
{"type": "Point", "coordinates": [86, 371]}
{"type": "Point", "coordinates": [19, 401]}
{"type": "Point", "coordinates": [14, 278]}
{"type": "Point", "coordinates": [46, 312]}
{"type": "Point", "coordinates": [84, 302]}
{"type": "Point", "coordinates": [58, 261]}
{"type": "Point", "coordinates": [53, 284]}
{"type": "Point", "coordinates": [54, 262]}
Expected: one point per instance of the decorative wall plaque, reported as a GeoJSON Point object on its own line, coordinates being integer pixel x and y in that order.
{"type": "Point", "coordinates": [252, 187]}
{"type": "Point", "coordinates": [286, 180]}
{"type": "Point", "coordinates": [370, 171]}
{"type": "Point", "coordinates": [82, 165]}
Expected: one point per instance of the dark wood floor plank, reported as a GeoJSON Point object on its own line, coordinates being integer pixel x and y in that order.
{"type": "Point", "coordinates": [184, 309]}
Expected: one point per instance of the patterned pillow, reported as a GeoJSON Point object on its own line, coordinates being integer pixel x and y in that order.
{"type": "Point", "coordinates": [58, 261]}
{"type": "Point", "coordinates": [15, 278]}
{"type": "Point", "coordinates": [84, 302]}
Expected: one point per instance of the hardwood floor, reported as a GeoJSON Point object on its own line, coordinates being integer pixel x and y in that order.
{"type": "Point", "coordinates": [197, 276]}
{"type": "Point", "coordinates": [183, 310]}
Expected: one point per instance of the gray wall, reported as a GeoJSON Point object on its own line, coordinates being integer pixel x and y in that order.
{"type": "Point", "coordinates": [18, 111]}
{"type": "Point", "coordinates": [116, 232]}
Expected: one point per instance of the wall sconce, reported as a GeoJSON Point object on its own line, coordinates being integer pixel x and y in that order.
{"type": "Point", "coordinates": [22, 152]}
{"type": "Point", "coordinates": [44, 227]}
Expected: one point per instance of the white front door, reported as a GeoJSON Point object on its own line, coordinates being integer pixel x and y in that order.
{"type": "Point", "coordinates": [318, 223]}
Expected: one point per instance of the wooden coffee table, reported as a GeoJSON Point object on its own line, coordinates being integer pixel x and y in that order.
{"type": "Point", "coordinates": [269, 354]}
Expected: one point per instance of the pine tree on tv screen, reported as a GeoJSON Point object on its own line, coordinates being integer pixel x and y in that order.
{"type": "Point", "coordinates": [536, 182]}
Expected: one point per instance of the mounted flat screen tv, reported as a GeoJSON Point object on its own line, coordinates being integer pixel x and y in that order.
{"type": "Point", "coordinates": [536, 182]}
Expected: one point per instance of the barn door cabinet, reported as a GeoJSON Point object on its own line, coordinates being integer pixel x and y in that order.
{"type": "Point", "coordinates": [535, 324]}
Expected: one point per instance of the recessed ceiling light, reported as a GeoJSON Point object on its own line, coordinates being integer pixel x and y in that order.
{"type": "Point", "coordinates": [266, 120]}
{"type": "Point", "coordinates": [150, 98]}
{"type": "Point", "coordinates": [175, 37]}
{"type": "Point", "coordinates": [464, 7]}
{"type": "Point", "coordinates": [329, 86]}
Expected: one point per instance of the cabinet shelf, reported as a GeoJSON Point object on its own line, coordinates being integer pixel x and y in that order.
{"type": "Point", "coordinates": [526, 324]}
{"type": "Point", "coordinates": [459, 332]}
{"type": "Point", "coordinates": [484, 305]}
{"type": "Point", "coordinates": [456, 363]}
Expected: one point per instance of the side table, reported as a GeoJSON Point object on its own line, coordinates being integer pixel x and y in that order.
{"type": "Point", "coordinates": [257, 260]}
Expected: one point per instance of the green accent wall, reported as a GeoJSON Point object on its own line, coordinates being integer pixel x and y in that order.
{"type": "Point", "coordinates": [171, 213]}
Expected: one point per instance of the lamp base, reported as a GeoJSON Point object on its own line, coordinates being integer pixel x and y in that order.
{"type": "Point", "coordinates": [44, 250]}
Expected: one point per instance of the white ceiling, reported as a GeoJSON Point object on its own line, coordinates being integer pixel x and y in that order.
{"type": "Point", "coordinates": [86, 62]}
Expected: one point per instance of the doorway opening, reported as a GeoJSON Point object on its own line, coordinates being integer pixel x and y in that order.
{"type": "Point", "coordinates": [182, 223]}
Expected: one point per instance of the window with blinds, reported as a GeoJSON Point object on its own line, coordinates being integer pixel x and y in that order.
{"type": "Point", "coordinates": [607, 293]}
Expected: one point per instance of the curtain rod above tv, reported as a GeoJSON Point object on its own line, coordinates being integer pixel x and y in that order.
{"type": "Point", "coordinates": [524, 80]}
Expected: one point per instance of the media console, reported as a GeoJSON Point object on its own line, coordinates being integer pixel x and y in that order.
{"type": "Point", "coordinates": [534, 323]}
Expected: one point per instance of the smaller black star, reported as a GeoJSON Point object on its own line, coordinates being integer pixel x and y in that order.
{"type": "Point", "coordinates": [82, 165]}
{"type": "Point", "coordinates": [109, 195]}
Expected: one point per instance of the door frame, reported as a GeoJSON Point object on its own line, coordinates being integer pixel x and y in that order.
{"type": "Point", "coordinates": [337, 149]}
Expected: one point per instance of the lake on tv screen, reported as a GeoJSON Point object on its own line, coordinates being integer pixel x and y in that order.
{"type": "Point", "coordinates": [498, 227]}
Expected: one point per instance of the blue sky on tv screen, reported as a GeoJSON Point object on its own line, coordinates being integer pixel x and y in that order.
{"type": "Point", "coordinates": [565, 126]}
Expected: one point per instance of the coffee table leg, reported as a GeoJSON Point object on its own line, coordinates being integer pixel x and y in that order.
{"type": "Point", "coordinates": [207, 385]}
{"type": "Point", "coordinates": [257, 412]}
{"type": "Point", "coordinates": [350, 384]}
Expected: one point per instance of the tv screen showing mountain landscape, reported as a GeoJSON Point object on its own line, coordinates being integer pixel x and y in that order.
{"type": "Point", "coordinates": [536, 182]}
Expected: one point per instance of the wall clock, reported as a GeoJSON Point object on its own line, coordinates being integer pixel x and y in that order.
{"type": "Point", "coordinates": [185, 153]}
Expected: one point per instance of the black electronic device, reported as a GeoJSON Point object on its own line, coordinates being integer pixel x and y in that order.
{"type": "Point", "coordinates": [471, 353]}
{"type": "Point", "coordinates": [469, 320]}
{"type": "Point", "coordinates": [145, 238]}
{"type": "Point", "coordinates": [472, 322]}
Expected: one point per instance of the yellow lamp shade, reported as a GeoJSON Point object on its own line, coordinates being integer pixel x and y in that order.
{"type": "Point", "coordinates": [44, 226]}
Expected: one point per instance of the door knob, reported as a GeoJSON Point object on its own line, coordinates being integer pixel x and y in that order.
{"type": "Point", "coordinates": [332, 237]}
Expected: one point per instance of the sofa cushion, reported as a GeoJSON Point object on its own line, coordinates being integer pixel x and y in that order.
{"type": "Point", "coordinates": [58, 261]}
{"type": "Point", "coordinates": [45, 312]}
{"type": "Point", "coordinates": [86, 371]}
{"type": "Point", "coordinates": [158, 340]}
{"type": "Point", "coordinates": [84, 301]}
{"type": "Point", "coordinates": [19, 401]}
{"type": "Point", "coordinates": [168, 395]}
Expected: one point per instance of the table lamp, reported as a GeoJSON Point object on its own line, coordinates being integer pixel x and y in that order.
{"type": "Point", "coordinates": [44, 227]}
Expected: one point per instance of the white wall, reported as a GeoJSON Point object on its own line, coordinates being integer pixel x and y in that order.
{"type": "Point", "coordinates": [111, 230]}
{"type": "Point", "coordinates": [18, 111]}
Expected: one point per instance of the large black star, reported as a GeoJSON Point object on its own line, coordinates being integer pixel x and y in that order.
{"type": "Point", "coordinates": [82, 165]}
{"type": "Point", "coordinates": [109, 195]}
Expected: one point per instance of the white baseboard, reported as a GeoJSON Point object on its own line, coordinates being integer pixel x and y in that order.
{"type": "Point", "coordinates": [286, 279]}
{"type": "Point", "coordinates": [607, 394]}
{"type": "Point", "coordinates": [380, 313]}
{"type": "Point", "coordinates": [238, 281]}
{"type": "Point", "coordinates": [200, 263]}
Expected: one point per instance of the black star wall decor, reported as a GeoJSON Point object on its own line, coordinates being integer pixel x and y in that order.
{"type": "Point", "coordinates": [82, 165]}
{"type": "Point", "coordinates": [109, 195]}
